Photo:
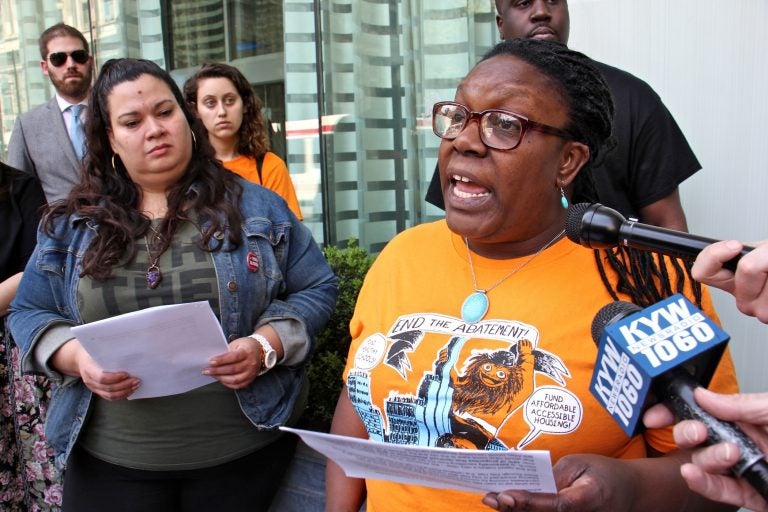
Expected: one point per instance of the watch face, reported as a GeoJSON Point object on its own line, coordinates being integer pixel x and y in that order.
{"type": "Point", "coordinates": [269, 354]}
{"type": "Point", "coordinates": [270, 358]}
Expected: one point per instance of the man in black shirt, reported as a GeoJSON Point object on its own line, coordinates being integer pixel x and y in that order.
{"type": "Point", "coordinates": [640, 176]}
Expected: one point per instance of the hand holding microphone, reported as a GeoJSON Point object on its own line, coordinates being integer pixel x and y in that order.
{"type": "Point", "coordinates": [665, 352]}
{"type": "Point", "coordinates": [599, 227]}
{"type": "Point", "coordinates": [733, 267]}
{"type": "Point", "coordinates": [748, 284]}
{"type": "Point", "coordinates": [709, 473]}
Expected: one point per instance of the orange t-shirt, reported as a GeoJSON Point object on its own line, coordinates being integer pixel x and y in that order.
{"type": "Point", "coordinates": [274, 174]}
{"type": "Point", "coordinates": [418, 374]}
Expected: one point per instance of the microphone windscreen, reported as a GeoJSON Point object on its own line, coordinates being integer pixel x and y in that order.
{"type": "Point", "coordinates": [609, 314]}
{"type": "Point", "coordinates": [573, 221]}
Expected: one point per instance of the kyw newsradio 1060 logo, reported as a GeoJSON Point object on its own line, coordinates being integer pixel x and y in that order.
{"type": "Point", "coordinates": [643, 345]}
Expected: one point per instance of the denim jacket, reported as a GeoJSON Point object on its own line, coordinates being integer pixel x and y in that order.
{"type": "Point", "coordinates": [293, 283]}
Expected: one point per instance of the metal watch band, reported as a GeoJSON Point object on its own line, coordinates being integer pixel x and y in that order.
{"type": "Point", "coordinates": [269, 355]}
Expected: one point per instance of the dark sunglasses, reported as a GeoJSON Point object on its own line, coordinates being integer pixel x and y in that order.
{"type": "Point", "coordinates": [58, 59]}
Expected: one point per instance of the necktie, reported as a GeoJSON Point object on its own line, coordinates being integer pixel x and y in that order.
{"type": "Point", "coordinates": [76, 133]}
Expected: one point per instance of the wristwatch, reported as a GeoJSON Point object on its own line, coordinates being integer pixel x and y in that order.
{"type": "Point", "coordinates": [269, 355]}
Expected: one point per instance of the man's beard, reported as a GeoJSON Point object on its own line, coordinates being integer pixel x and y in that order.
{"type": "Point", "coordinates": [73, 89]}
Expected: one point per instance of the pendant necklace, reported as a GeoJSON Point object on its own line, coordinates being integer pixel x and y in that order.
{"type": "Point", "coordinates": [476, 305]}
{"type": "Point", "coordinates": [154, 276]}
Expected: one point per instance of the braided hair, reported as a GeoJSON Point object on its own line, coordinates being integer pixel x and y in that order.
{"type": "Point", "coordinates": [643, 276]}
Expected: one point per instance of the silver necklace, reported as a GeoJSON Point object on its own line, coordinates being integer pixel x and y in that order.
{"type": "Point", "coordinates": [476, 304]}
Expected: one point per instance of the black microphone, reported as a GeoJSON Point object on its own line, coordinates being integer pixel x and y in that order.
{"type": "Point", "coordinates": [665, 352]}
{"type": "Point", "coordinates": [600, 227]}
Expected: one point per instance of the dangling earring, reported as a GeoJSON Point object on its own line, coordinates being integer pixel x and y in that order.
{"type": "Point", "coordinates": [114, 167]}
{"type": "Point", "coordinates": [194, 140]}
{"type": "Point", "coordinates": [563, 199]}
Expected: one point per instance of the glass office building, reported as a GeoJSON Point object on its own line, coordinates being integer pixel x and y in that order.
{"type": "Point", "coordinates": [347, 84]}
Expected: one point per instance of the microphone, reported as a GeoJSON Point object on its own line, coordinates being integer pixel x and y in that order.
{"type": "Point", "coordinates": [664, 352]}
{"type": "Point", "coordinates": [599, 227]}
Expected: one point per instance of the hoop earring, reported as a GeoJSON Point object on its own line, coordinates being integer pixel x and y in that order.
{"type": "Point", "coordinates": [563, 199]}
{"type": "Point", "coordinates": [194, 140]}
{"type": "Point", "coordinates": [114, 167]}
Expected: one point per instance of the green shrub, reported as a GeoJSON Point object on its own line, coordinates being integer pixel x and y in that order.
{"type": "Point", "coordinates": [332, 343]}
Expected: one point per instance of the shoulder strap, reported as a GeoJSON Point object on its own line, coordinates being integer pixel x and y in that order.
{"type": "Point", "coordinates": [259, 163]}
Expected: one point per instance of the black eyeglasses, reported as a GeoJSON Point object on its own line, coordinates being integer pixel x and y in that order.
{"type": "Point", "coordinates": [499, 129]}
{"type": "Point", "coordinates": [58, 59]}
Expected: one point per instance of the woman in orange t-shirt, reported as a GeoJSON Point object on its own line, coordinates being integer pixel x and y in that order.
{"type": "Point", "coordinates": [231, 113]}
{"type": "Point", "coordinates": [474, 332]}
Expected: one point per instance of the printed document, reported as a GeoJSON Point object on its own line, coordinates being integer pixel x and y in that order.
{"type": "Point", "coordinates": [166, 347]}
{"type": "Point", "coordinates": [478, 471]}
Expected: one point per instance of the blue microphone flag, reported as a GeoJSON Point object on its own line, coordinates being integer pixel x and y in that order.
{"type": "Point", "coordinates": [637, 347]}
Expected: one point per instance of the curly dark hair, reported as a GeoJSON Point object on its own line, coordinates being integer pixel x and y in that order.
{"type": "Point", "coordinates": [253, 137]}
{"type": "Point", "coordinates": [641, 275]}
{"type": "Point", "coordinates": [107, 196]}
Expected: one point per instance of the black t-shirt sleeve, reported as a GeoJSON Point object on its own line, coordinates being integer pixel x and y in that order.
{"type": "Point", "coordinates": [652, 156]}
{"type": "Point", "coordinates": [21, 210]}
{"type": "Point", "coordinates": [434, 192]}
{"type": "Point", "coordinates": [31, 199]}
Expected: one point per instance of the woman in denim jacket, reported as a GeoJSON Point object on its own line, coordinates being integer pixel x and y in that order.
{"type": "Point", "coordinates": [156, 220]}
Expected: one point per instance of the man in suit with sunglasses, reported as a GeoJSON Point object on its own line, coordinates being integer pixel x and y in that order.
{"type": "Point", "coordinates": [47, 141]}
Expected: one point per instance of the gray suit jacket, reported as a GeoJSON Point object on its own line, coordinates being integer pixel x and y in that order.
{"type": "Point", "coordinates": [40, 146]}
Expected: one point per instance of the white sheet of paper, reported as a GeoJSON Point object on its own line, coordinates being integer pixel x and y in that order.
{"type": "Point", "coordinates": [166, 347]}
{"type": "Point", "coordinates": [477, 471]}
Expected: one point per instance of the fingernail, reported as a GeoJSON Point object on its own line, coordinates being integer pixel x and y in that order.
{"type": "Point", "coordinates": [723, 452]}
{"type": "Point", "coordinates": [689, 431]}
{"type": "Point", "coordinates": [509, 501]}
{"type": "Point", "coordinates": [490, 500]}
{"type": "Point", "coordinates": [206, 372]}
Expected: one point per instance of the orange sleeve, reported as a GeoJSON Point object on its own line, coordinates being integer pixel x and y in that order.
{"type": "Point", "coordinates": [275, 177]}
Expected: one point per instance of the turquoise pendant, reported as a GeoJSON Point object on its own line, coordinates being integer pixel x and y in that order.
{"type": "Point", "coordinates": [475, 307]}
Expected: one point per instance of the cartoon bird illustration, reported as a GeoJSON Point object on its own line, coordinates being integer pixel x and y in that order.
{"type": "Point", "coordinates": [404, 342]}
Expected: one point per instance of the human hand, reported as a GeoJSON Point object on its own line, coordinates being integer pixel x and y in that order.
{"type": "Point", "coordinates": [709, 471]}
{"type": "Point", "coordinates": [238, 367]}
{"type": "Point", "coordinates": [748, 285]}
{"type": "Point", "coordinates": [107, 385]}
{"type": "Point", "coordinates": [586, 482]}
